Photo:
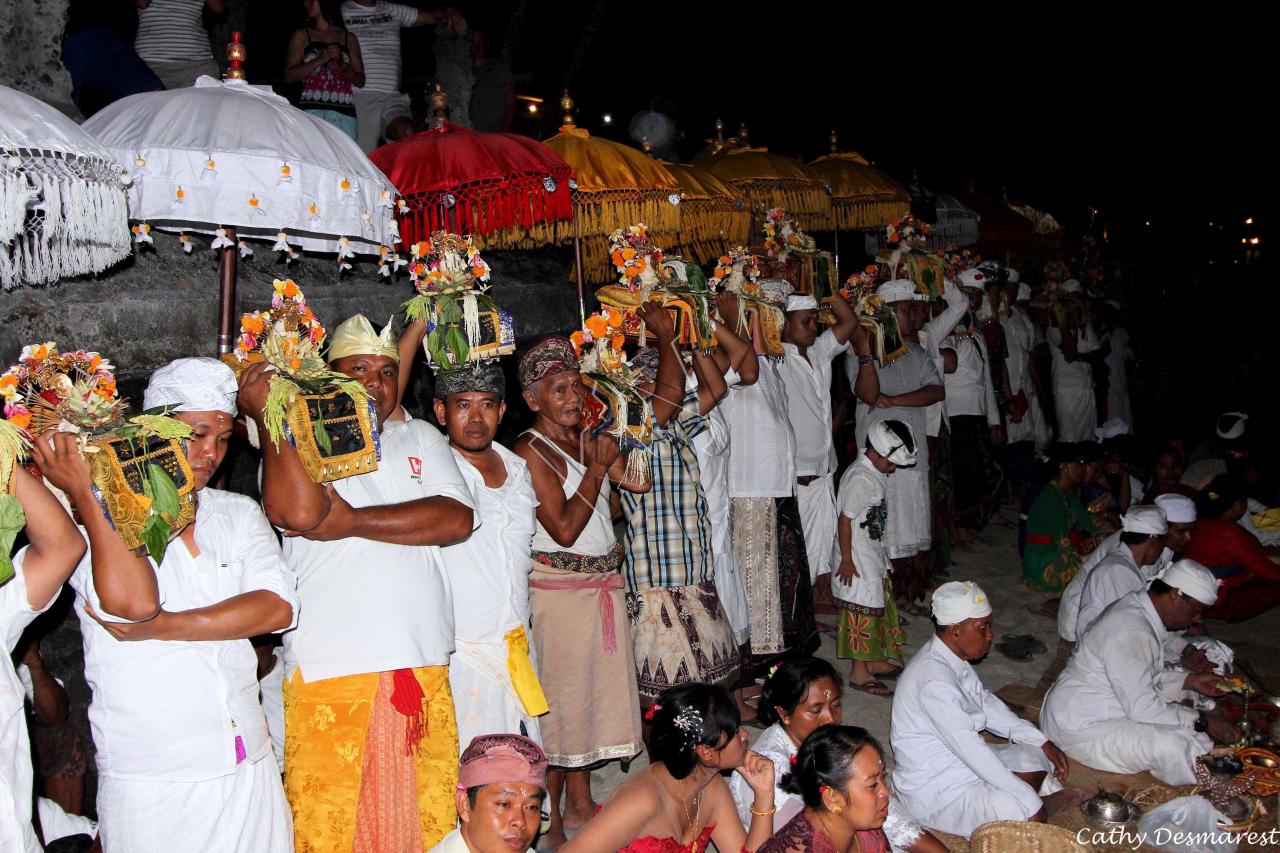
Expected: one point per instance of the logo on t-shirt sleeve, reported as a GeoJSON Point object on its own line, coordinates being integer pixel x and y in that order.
{"type": "Point", "coordinates": [415, 468]}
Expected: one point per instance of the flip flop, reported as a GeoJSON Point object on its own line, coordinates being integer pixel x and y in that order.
{"type": "Point", "coordinates": [890, 675]}
{"type": "Point", "coordinates": [874, 687]}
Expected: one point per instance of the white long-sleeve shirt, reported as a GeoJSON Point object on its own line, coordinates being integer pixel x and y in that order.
{"type": "Point", "coordinates": [808, 382]}
{"type": "Point", "coordinates": [1072, 374]}
{"type": "Point", "coordinates": [762, 446]}
{"type": "Point", "coordinates": [940, 709]}
{"type": "Point", "coordinates": [1069, 607]}
{"type": "Point", "coordinates": [931, 337]}
{"type": "Point", "coordinates": [170, 710]}
{"type": "Point", "coordinates": [1111, 580]}
{"type": "Point", "coordinates": [1117, 673]}
{"type": "Point", "coordinates": [969, 388]}
{"type": "Point", "coordinates": [16, 613]}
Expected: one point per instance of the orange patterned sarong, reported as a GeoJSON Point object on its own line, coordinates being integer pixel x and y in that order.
{"type": "Point", "coordinates": [353, 780]}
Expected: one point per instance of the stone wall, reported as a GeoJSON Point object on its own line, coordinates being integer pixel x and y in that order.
{"type": "Point", "coordinates": [163, 304]}
{"type": "Point", "coordinates": [31, 61]}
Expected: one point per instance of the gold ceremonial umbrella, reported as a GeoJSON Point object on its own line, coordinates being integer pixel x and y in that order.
{"type": "Point", "coordinates": [714, 216]}
{"type": "Point", "coordinates": [769, 180]}
{"type": "Point", "coordinates": [862, 197]}
{"type": "Point", "coordinates": [614, 186]}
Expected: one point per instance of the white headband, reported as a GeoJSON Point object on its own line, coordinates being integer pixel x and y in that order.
{"type": "Point", "coordinates": [1178, 509]}
{"type": "Point", "coordinates": [193, 385]}
{"type": "Point", "coordinates": [1193, 579]}
{"type": "Point", "coordinates": [803, 302]}
{"type": "Point", "coordinates": [956, 601]}
{"type": "Point", "coordinates": [1145, 519]}
{"type": "Point", "coordinates": [890, 445]}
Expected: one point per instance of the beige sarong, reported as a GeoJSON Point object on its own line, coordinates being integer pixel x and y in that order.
{"type": "Point", "coordinates": [754, 522]}
{"type": "Point", "coordinates": [681, 635]}
{"type": "Point", "coordinates": [585, 663]}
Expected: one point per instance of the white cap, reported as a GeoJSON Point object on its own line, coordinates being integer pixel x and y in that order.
{"type": "Point", "coordinates": [1178, 509]}
{"type": "Point", "coordinates": [972, 278]}
{"type": "Point", "coordinates": [1231, 425]}
{"type": "Point", "coordinates": [893, 445]}
{"type": "Point", "coordinates": [1191, 579]}
{"type": "Point", "coordinates": [1011, 276]}
{"type": "Point", "coordinates": [193, 385]}
{"type": "Point", "coordinates": [1112, 428]}
{"type": "Point", "coordinates": [956, 601]}
{"type": "Point", "coordinates": [900, 290]}
{"type": "Point", "coordinates": [803, 302]}
{"type": "Point", "coordinates": [1024, 293]}
{"type": "Point", "coordinates": [1071, 285]}
{"type": "Point", "coordinates": [1144, 519]}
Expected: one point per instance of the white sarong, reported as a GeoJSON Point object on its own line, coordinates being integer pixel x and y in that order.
{"type": "Point", "coordinates": [817, 502]}
{"type": "Point", "coordinates": [483, 696]}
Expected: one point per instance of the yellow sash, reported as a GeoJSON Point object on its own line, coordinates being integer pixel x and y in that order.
{"type": "Point", "coordinates": [523, 678]}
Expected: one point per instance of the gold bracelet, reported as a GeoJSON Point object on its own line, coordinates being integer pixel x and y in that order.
{"type": "Point", "coordinates": [762, 814]}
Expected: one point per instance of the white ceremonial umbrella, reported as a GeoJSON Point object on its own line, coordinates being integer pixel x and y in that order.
{"type": "Point", "coordinates": [240, 162]}
{"type": "Point", "coordinates": [62, 200]}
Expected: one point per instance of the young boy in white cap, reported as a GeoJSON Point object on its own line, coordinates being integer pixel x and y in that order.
{"type": "Point", "coordinates": [184, 758]}
{"type": "Point", "coordinates": [868, 631]}
{"type": "Point", "coordinates": [948, 777]}
{"type": "Point", "coordinates": [1116, 708]}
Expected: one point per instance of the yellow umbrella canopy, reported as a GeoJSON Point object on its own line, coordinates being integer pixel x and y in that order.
{"type": "Point", "coordinates": [714, 216]}
{"type": "Point", "coordinates": [615, 186]}
{"type": "Point", "coordinates": [770, 180]}
{"type": "Point", "coordinates": [862, 197]}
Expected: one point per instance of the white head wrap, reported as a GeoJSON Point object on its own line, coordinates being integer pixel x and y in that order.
{"type": "Point", "coordinates": [1191, 579]}
{"type": "Point", "coordinates": [356, 336]}
{"type": "Point", "coordinates": [972, 278]}
{"type": "Point", "coordinates": [1144, 519]}
{"type": "Point", "coordinates": [1178, 509]}
{"type": "Point", "coordinates": [956, 601]}
{"type": "Point", "coordinates": [193, 385]}
{"type": "Point", "coordinates": [1112, 428]}
{"type": "Point", "coordinates": [1231, 425]}
{"type": "Point", "coordinates": [1024, 293]}
{"type": "Point", "coordinates": [1011, 276]}
{"type": "Point", "coordinates": [900, 290]}
{"type": "Point", "coordinates": [1071, 285]}
{"type": "Point", "coordinates": [803, 302]}
{"type": "Point", "coordinates": [890, 445]}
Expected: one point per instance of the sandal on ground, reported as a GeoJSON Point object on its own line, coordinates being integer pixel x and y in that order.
{"type": "Point", "coordinates": [1048, 608]}
{"type": "Point", "coordinates": [874, 687]}
{"type": "Point", "coordinates": [1019, 646]}
{"type": "Point", "coordinates": [890, 675]}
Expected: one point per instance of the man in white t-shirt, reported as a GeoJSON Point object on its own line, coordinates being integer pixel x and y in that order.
{"type": "Point", "coordinates": [173, 42]}
{"type": "Point", "coordinates": [382, 110]}
{"type": "Point", "coordinates": [371, 745]}
{"type": "Point", "coordinates": [39, 570]}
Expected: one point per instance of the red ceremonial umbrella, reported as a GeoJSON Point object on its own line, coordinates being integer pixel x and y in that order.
{"type": "Point", "coordinates": [502, 188]}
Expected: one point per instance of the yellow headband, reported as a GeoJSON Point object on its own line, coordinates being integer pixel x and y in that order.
{"type": "Point", "coordinates": [356, 336]}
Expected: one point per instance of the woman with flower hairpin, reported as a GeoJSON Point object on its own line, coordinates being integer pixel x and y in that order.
{"type": "Point", "coordinates": [681, 804]}
{"type": "Point", "coordinates": [801, 696]}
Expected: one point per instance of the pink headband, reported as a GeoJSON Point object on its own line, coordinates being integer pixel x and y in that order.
{"type": "Point", "coordinates": [492, 759]}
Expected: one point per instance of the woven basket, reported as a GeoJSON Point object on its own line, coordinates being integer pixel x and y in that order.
{"type": "Point", "coordinates": [352, 431]}
{"type": "Point", "coordinates": [682, 315]}
{"type": "Point", "coordinates": [118, 483]}
{"type": "Point", "coordinates": [1014, 836]}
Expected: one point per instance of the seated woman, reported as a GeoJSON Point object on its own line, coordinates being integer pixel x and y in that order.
{"type": "Point", "coordinates": [799, 697]}
{"type": "Point", "coordinates": [1166, 476]}
{"type": "Point", "coordinates": [680, 803]}
{"type": "Point", "coordinates": [839, 773]}
{"type": "Point", "coordinates": [1250, 575]}
{"type": "Point", "coordinates": [1060, 528]}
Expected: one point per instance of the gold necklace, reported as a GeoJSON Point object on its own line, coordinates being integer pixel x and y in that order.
{"type": "Point", "coordinates": [693, 822]}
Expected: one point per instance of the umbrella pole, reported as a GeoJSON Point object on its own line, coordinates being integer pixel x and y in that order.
{"type": "Point", "coordinates": [836, 234]}
{"type": "Point", "coordinates": [577, 265]}
{"type": "Point", "coordinates": [227, 293]}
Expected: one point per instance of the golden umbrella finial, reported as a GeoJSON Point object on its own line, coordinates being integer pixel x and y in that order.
{"type": "Point", "coordinates": [439, 107]}
{"type": "Point", "coordinates": [720, 130]}
{"type": "Point", "coordinates": [835, 142]}
{"type": "Point", "coordinates": [236, 53]}
{"type": "Point", "coordinates": [646, 145]}
{"type": "Point", "coordinates": [566, 107]}
{"type": "Point", "coordinates": [742, 134]}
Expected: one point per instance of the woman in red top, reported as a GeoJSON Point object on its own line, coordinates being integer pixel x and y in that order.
{"type": "Point", "coordinates": [1250, 575]}
{"type": "Point", "coordinates": [681, 803]}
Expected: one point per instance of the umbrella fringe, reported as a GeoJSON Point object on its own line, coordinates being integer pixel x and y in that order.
{"type": "Point", "coordinates": [498, 210]}
{"type": "Point", "coordinates": [807, 201]}
{"type": "Point", "coordinates": [55, 222]}
{"type": "Point", "coordinates": [702, 222]}
{"type": "Point", "coordinates": [866, 215]}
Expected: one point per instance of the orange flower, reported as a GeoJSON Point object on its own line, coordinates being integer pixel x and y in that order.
{"type": "Point", "coordinates": [295, 363]}
{"type": "Point", "coordinates": [8, 381]}
{"type": "Point", "coordinates": [383, 250]}
{"type": "Point", "coordinates": [616, 256]}
{"type": "Point", "coordinates": [290, 289]}
{"type": "Point", "coordinates": [616, 342]}
{"type": "Point", "coordinates": [105, 388]}
{"type": "Point", "coordinates": [577, 339]}
{"type": "Point", "coordinates": [628, 253]}
{"type": "Point", "coordinates": [893, 223]}
{"type": "Point", "coordinates": [40, 352]}
{"type": "Point", "coordinates": [478, 272]}
{"type": "Point", "coordinates": [95, 363]}
{"type": "Point", "coordinates": [724, 261]}
{"type": "Point", "coordinates": [252, 324]}
{"type": "Point", "coordinates": [22, 420]}
{"type": "Point", "coordinates": [631, 272]}
{"type": "Point", "coordinates": [893, 238]}
{"type": "Point", "coordinates": [597, 326]}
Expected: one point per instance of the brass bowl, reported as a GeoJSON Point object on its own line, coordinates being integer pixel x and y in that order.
{"type": "Point", "coordinates": [1262, 761]}
{"type": "Point", "coordinates": [1110, 811]}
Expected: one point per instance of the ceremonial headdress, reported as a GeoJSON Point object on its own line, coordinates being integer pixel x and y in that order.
{"type": "Point", "coordinates": [483, 376]}
{"type": "Point", "coordinates": [549, 356]}
{"type": "Point", "coordinates": [1146, 519]}
{"type": "Point", "coordinates": [494, 759]}
{"type": "Point", "coordinates": [1193, 579]}
{"type": "Point", "coordinates": [1178, 509]}
{"type": "Point", "coordinates": [956, 601]}
{"type": "Point", "coordinates": [900, 290]}
{"type": "Point", "coordinates": [894, 441]}
{"type": "Point", "coordinates": [356, 336]}
{"type": "Point", "coordinates": [972, 278]}
{"type": "Point", "coordinates": [801, 302]}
